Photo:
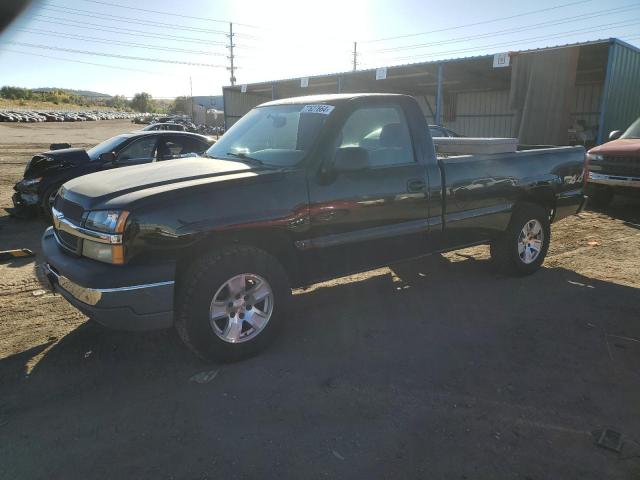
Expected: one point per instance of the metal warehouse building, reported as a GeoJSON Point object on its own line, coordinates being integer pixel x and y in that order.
{"type": "Point", "coordinates": [558, 95]}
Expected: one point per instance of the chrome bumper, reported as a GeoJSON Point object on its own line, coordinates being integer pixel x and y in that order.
{"type": "Point", "coordinates": [120, 301]}
{"type": "Point", "coordinates": [614, 180]}
{"type": "Point", "coordinates": [108, 297]}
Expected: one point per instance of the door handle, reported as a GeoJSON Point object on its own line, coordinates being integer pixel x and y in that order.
{"type": "Point", "coordinates": [416, 185]}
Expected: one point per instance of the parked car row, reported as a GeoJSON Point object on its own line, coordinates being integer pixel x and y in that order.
{"type": "Point", "coordinates": [176, 122]}
{"type": "Point", "coordinates": [40, 116]}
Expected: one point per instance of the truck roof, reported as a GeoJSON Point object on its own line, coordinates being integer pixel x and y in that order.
{"type": "Point", "coordinates": [327, 98]}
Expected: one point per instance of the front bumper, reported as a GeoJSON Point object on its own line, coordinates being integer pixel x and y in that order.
{"type": "Point", "coordinates": [614, 180]}
{"type": "Point", "coordinates": [132, 297]}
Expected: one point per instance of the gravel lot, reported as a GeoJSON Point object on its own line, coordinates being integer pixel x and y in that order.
{"type": "Point", "coordinates": [436, 369]}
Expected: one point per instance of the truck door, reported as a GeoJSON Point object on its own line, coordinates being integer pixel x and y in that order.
{"type": "Point", "coordinates": [377, 211]}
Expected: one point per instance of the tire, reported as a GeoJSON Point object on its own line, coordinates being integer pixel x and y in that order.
{"type": "Point", "coordinates": [600, 196]}
{"type": "Point", "coordinates": [511, 253]}
{"type": "Point", "coordinates": [45, 203]}
{"type": "Point", "coordinates": [208, 279]}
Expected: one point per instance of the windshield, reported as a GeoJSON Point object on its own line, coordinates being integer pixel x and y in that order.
{"type": "Point", "coordinates": [633, 131]}
{"type": "Point", "coordinates": [280, 135]}
{"type": "Point", "coordinates": [106, 146]}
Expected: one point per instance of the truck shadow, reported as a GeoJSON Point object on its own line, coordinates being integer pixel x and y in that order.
{"type": "Point", "coordinates": [343, 315]}
{"type": "Point", "coordinates": [355, 356]}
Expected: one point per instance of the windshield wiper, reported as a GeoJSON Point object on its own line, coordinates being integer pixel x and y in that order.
{"type": "Point", "coordinates": [244, 156]}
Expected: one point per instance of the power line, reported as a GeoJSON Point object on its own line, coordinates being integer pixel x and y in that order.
{"type": "Point", "coordinates": [560, 21]}
{"type": "Point", "coordinates": [113, 55]}
{"type": "Point", "coordinates": [169, 13]}
{"type": "Point", "coordinates": [484, 22]}
{"type": "Point", "coordinates": [122, 30]}
{"type": "Point", "coordinates": [136, 21]}
{"type": "Point", "coordinates": [75, 61]}
{"type": "Point", "coordinates": [106, 16]}
{"type": "Point", "coordinates": [116, 42]}
{"type": "Point", "coordinates": [525, 40]}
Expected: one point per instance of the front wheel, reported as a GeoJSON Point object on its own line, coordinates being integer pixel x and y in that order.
{"type": "Point", "coordinates": [47, 200]}
{"type": "Point", "coordinates": [230, 304]}
{"type": "Point", "coordinates": [521, 249]}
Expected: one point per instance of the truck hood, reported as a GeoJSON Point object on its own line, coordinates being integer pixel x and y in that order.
{"type": "Point", "coordinates": [53, 161]}
{"type": "Point", "coordinates": [622, 146]}
{"type": "Point", "coordinates": [122, 186]}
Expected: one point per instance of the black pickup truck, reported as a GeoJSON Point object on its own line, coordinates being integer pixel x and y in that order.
{"type": "Point", "coordinates": [297, 191]}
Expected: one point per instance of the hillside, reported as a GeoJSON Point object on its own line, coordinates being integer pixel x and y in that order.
{"type": "Point", "coordinates": [81, 93]}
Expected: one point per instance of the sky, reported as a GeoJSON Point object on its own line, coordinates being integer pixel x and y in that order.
{"type": "Point", "coordinates": [80, 44]}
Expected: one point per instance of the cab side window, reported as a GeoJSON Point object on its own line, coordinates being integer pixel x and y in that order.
{"type": "Point", "coordinates": [169, 148]}
{"type": "Point", "coordinates": [174, 146]}
{"type": "Point", "coordinates": [382, 131]}
{"type": "Point", "coordinates": [142, 149]}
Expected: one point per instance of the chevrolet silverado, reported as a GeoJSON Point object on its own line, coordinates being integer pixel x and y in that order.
{"type": "Point", "coordinates": [297, 191]}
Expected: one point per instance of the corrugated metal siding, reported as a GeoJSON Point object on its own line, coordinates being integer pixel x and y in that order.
{"type": "Point", "coordinates": [487, 114]}
{"type": "Point", "coordinates": [483, 114]}
{"type": "Point", "coordinates": [586, 105]}
{"type": "Point", "coordinates": [622, 98]}
{"type": "Point", "coordinates": [236, 104]}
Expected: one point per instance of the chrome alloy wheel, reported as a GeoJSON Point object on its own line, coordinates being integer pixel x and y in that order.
{"type": "Point", "coordinates": [241, 308]}
{"type": "Point", "coordinates": [530, 241]}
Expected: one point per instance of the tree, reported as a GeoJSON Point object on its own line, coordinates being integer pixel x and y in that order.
{"type": "Point", "coordinates": [142, 102]}
{"type": "Point", "coordinates": [181, 105]}
{"type": "Point", "coordinates": [15, 93]}
{"type": "Point", "coordinates": [117, 101]}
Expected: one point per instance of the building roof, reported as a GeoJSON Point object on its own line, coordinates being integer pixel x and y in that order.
{"type": "Point", "coordinates": [436, 62]}
{"type": "Point", "coordinates": [326, 98]}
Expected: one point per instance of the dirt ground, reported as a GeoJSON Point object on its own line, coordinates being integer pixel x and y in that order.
{"type": "Point", "coordinates": [436, 369]}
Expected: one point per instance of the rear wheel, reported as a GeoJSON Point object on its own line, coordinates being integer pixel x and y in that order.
{"type": "Point", "coordinates": [521, 249]}
{"type": "Point", "coordinates": [230, 304]}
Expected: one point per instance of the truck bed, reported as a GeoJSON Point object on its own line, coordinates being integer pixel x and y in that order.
{"type": "Point", "coordinates": [480, 186]}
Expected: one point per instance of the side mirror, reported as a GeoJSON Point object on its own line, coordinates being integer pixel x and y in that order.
{"type": "Point", "coordinates": [107, 157]}
{"type": "Point", "coordinates": [351, 159]}
{"type": "Point", "coordinates": [616, 134]}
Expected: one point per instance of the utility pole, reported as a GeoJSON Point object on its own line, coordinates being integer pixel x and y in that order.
{"type": "Point", "coordinates": [191, 90]}
{"type": "Point", "coordinates": [355, 56]}
{"type": "Point", "coordinates": [230, 47]}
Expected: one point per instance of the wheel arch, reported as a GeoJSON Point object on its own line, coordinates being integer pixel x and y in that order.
{"type": "Point", "coordinates": [274, 242]}
{"type": "Point", "coordinates": [541, 196]}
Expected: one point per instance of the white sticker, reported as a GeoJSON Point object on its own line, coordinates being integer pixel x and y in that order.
{"type": "Point", "coordinates": [243, 88]}
{"type": "Point", "coordinates": [501, 60]}
{"type": "Point", "coordinates": [381, 73]}
{"type": "Point", "coordinates": [304, 82]}
{"type": "Point", "coordinates": [323, 109]}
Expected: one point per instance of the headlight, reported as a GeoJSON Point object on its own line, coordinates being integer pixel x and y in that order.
{"type": "Point", "coordinates": [110, 249]}
{"type": "Point", "coordinates": [28, 182]}
{"type": "Point", "coordinates": [594, 156]}
{"type": "Point", "coordinates": [103, 252]}
{"type": "Point", "coordinates": [109, 221]}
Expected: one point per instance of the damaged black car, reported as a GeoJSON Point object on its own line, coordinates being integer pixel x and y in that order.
{"type": "Point", "coordinates": [47, 171]}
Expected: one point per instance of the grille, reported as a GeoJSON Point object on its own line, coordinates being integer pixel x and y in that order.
{"type": "Point", "coordinates": [67, 240]}
{"type": "Point", "coordinates": [70, 210]}
{"type": "Point", "coordinates": [620, 165]}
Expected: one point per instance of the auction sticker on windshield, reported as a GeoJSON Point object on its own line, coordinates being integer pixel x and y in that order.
{"type": "Point", "coordinates": [323, 109]}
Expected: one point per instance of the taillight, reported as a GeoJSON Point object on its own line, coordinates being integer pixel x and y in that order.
{"type": "Point", "coordinates": [585, 172]}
